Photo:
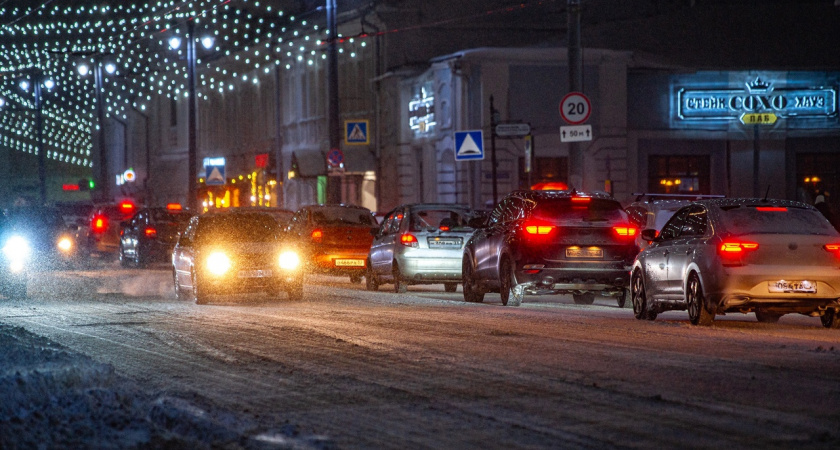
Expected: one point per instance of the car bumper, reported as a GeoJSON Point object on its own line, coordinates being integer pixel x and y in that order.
{"type": "Point", "coordinates": [431, 267]}
{"type": "Point", "coordinates": [235, 284]}
{"type": "Point", "coordinates": [574, 279]}
{"type": "Point", "coordinates": [747, 288]}
{"type": "Point", "coordinates": [340, 263]}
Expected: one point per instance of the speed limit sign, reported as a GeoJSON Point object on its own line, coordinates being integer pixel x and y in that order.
{"type": "Point", "coordinates": [575, 108]}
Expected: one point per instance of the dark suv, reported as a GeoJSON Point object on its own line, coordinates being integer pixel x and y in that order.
{"type": "Point", "coordinates": [551, 242]}
{"type": "Point", "coordinates": [150, 235]}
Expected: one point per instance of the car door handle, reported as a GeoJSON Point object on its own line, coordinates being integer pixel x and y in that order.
{"type": "Point", "coordinates": [662, 266]}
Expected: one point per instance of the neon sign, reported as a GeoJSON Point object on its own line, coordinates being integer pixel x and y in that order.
{"type": "Point", "coordinates": [758, 98]}
{"type": "Point", "coordinates": [421, 112]}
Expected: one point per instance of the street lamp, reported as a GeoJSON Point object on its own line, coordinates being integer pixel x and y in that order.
{"type": "Point", "coordinates": [192, 157]}
{"type": "Point", "coordinates": [37, 80]}
{"type": "Point", "coordinates": [103, 194]}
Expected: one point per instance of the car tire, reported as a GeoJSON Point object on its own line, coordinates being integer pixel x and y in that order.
{"type": "Point", "coordinates": [509, 291]}
{"type": "Point", "coordinates": [139, 260]}
{"type": "Point", "coordinates": [179, 291]}
{"type": "Point", "coordinates": [698, 313]}
{"type": "Point", "coordinates": [450, 287]}
{"type": "Point", "coordinates": [584, 299]}
{"type": "Point", "coordinates": [371, 282]}
{"type": "Point", "coordinates": [764, 316]}
{"type": "Point", "coordinates": [122, 257]}
{"type": "Point", "coordinates": [400, 285]}
{"type": "Point", "coordinates": [355, 278]}
{"type": "Point", "coordinates": [199, 295]}
{"type": "Point", "coordinates": [622, 298]}
{"type": "Point", "coordinates": [831, 319]}
{"type": "Point", "coordinates": [472, 293]}
{"type": "Point", "coordinates": [295, 289]}
{"type": "Point", "coordinates": [638, 297]}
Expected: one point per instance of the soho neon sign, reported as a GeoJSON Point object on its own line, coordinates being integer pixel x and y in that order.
{"type": "Point", "coordinates": [758, 97]}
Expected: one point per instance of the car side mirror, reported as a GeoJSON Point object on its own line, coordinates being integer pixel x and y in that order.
{"type": "Point", "coordinates": [650, 234]}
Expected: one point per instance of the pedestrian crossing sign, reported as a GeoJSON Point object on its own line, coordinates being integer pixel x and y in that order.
{"type": "Point", "coordinates": [469, 145]}
{"type": "Point", "coordinates": [356, 132]}
{"type": "Point", "coordinates": [215, 175]}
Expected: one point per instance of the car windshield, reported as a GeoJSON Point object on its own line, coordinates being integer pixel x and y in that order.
{"type": "Point", "coordinates": [340, 215]}
{"type": "Point", "coordinates": [664, 214]}
{"type": "Point", "coordinates": [171, 218]}
{"type": "Point", "coordinates": [775, 220]}
{"type": "Point", "coordinates": [590, 210]}
{"type": "Point", "coordinates": [237, 228]}
{"type": "Point", "coordinates": [434, 219]}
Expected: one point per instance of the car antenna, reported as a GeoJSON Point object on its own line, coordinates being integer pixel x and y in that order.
{"type": "Point", "coordinates": [766, 193]}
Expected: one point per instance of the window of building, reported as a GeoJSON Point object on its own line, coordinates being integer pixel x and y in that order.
{"type": "Point", "coordinates": [679, 174]}
{"type": "Point", "coordinates": [544, 171]}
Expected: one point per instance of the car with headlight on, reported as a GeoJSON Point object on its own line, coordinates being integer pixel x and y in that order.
{"type": "Point", "coordinates": [551, 242]}
{"type": "Point", "coordinates": [235, 252]}
{"type": "Point", "coordinates": [740, 255]}
{"type": "Point", "coordinates": [421, 243]}
{"type": "Point", "coordinates": [149, 236]}
{"type": "Point", "coordinates": [33, 239]}
{"type": "Point", "coordinates": [334, 238]}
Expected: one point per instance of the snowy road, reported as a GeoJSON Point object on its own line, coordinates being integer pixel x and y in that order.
{"type": "Point", "coordinates": [426, 370]}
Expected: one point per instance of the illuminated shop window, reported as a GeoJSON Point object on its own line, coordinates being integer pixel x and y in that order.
{"type": "Point", "coordinates": [679, 174]}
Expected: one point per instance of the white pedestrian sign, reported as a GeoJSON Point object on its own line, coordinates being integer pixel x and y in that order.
{"type": "Point", "coordinates": [356, 132]}
{"type": "Point", "coordinates": [215, 175]}
{"type": "Point", "coordinates": [469, 145]}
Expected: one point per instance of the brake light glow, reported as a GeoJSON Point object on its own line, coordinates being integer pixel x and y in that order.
{"type": "Point", "coordinates": [833, 248]}
{"type": "Point", "coordinates": [99, 224]}
{"type": "Point", "coordinates": [409, 240]}
{"type": "Point", "coordinates": [317, 235]}
{"type": "Point", "coordinates": [626, 231]}
{"type": "Point", "coordinates": [580, 200]}
{"type": "Point", "coordinates": [127, 207]}
{"type": "Point", "coordinates": [737, 247]}
{"type": "Point", "coordinates": [539, 229]}
{"type": "Point", "coordinates": [771, 208]}
{"type": "Point", "coordinates": [150, 232]}
{"type": "Point", "coordinates": [444, 228]}
{"type": "Point", "coordinates": [174, 206]}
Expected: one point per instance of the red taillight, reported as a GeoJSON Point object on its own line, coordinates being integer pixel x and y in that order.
{"type": "Point", "coordinates": [833, 248]}
{"type": "Point", "coordinates": [150, 232]}
{"type": "Point", "coordinates": [771, 208]}
{"type": "Point", "coordinates": [127, 208]}
{"type": "Point", "coordinates": [99, 224]}
{"type": "Point", "coordinates": [444, 228]}
{"type": "Point", "coordinates": [581, 200]}
{"type": "Point", "coordinates": [317, 236]}
{"type": "Point", "coordinates": [409, 240]}
{"type": "Point", "coordinates": [539, 229]}
{"type": "Point", "coordinates": [731, 248]}
{"type": "Point", "coordinates": [174, 206]}
{"type": "Point", "coordinates": [626, 231]}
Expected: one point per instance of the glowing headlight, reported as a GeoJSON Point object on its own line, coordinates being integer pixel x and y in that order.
{"type": "Point", "coordinates": [289, 260]}
{"type": "Point", "coordinates": [218, 263]}
{"type": "Point", "coordinates": [65, 244]}
{"type": "Point", "coordinates": [16, 248]}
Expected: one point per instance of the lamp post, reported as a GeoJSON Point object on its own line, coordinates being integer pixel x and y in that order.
{"type": "Point", "coordinates": [103, 192]}
{"type": "Point", "coordinates": [192, 150]}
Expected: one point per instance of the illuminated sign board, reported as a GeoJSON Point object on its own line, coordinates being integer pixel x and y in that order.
{"type": "Point", "coordinates": [759, 100]}
{"type": "Point", "coordinates": [421, 111]}
{"type": "Point", "coordinates": [217, 161]}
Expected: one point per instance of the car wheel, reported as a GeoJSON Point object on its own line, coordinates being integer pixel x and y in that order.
{"type": "Point", "coordinates": [400, 286]}
{"type": "Point", "coordinates": [179, 291]}
{"type": "Point", "coordinates": [450, 287]}
{"type": "Point", "coordinates": [584, 299]}
{"type": "Point", "coordinates": [295, 289]}
{"type": "Point", "coordinates": [766, 316]}
{"type": "Point", "coordinates": [831, 318]}
{"type": "Point", "coordinates": [622, 298]}
{"type": "Point", "coordinates": [199, 295]}
{"type": "Point", "coordinates": [639, 298]}
{"type": "Point", "coordinates": [472, 293]}
{"type": "Point", "coordinates": [698, 314]}
{"type": "Point", "coordinates": [510, 292]}
{"type": "Point", "coordinates": [371, 282]}
{"type": "Point", "coordinates": [123, 258]}
{"type": "Point", "coordinates": [355, 279]}
{"type": "Point", "coordinates": [139, 260]}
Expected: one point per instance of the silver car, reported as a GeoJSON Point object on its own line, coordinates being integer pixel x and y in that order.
{"type": "Point", "coordinates": [419, 243]}
{"type": "Point", "coordinates": [770, 257]}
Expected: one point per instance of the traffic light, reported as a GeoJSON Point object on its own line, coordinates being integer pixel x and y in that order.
{"type": "Point", "coordinates": [86, 184]}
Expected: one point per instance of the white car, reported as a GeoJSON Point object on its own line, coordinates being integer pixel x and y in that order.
{"type": "Point", "coordinates": [770, 257]}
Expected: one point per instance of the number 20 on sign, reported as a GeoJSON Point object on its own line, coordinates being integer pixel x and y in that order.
{"type": "Point", "coordinates": [575, 108]}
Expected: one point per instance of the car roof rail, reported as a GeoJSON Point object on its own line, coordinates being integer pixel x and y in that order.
{"type": "Point", "coordinates": [654, 196]}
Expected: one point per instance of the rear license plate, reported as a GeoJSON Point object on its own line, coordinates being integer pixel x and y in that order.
{"type": "Point", "coordinates": [589, 252]}
{"type": "Point", "coordinates": [797, 287]}
{"type": "Point", "coordinates": [439, 242]}
{"type": "Point", "coordinates": [350, 262]}
{"type": "Point", "coordinates": [254, 273]}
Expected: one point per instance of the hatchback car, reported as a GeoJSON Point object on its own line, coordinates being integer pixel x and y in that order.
{"type": "Point", "coordinates": [150, 235]}
{"type": "Point", "coordinates": [334, 239]}
{"type": "Point", "coordinates": [419, 244]}
{"type": "Point", "coordinates": [653, 210]}
{"type": "Point", "coordinates": [770, 257]}
{"type": "Point", "coordinates": [235, 252]}
{"type": "Point", "coordinates": [551, 242]}
{"type": "Point", "coordinates": [102, 236]}
{"type": "Point", "coordinates": [32, 239]}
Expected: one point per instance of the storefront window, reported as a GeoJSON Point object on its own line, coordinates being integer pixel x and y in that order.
{"type": "Point", "coordinates": [678, 174]}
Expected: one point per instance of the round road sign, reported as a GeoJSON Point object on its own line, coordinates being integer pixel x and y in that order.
{"type": "Point", "coordinates": [575, 108]}
{"type": "Point", "coordinates": [335, 157]}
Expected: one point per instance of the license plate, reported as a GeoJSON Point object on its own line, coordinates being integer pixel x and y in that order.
{"type": "Point", "coordinates": [797, 287]}
{"type": "Point", "coordinates": [590, 252]}
{"type": "Point", "coordinates": [438, 242]}
{"type": "Point", "coordinates": [350, 262]}
{"type": "Point", "coordinates": [254, 273]}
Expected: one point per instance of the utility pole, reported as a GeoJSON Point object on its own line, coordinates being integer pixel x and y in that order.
{"type": "Point", "coordinates": [493, 163]}
{"type": "Point", "coordinates": [575, 85]}
{"type": "Point", "coordinates": [332, 91]}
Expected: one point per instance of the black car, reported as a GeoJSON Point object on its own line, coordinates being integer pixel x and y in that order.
{"type": "Point", "coordinates": [150, 235]}
{"type": "Point", "coordinates": [551, 242]}
{"type": "Point", "coordinates": [235, 252]}
{"type": "Point", "coordinates": [32, 239]}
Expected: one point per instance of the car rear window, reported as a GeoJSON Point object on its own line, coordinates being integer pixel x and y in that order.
{"type": "Point", "coordinates": [342, 216]}
{"type": "Point", "coordinates": [593, 210]}
{"type": "Point", "coordinates": [433, 219]}
{"type": "Point", "coordinates": [237, 229]}
{"type": "Point", "coordinates": [169, 217]}
{"type": "Point", "coordinates": [775, 220]}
